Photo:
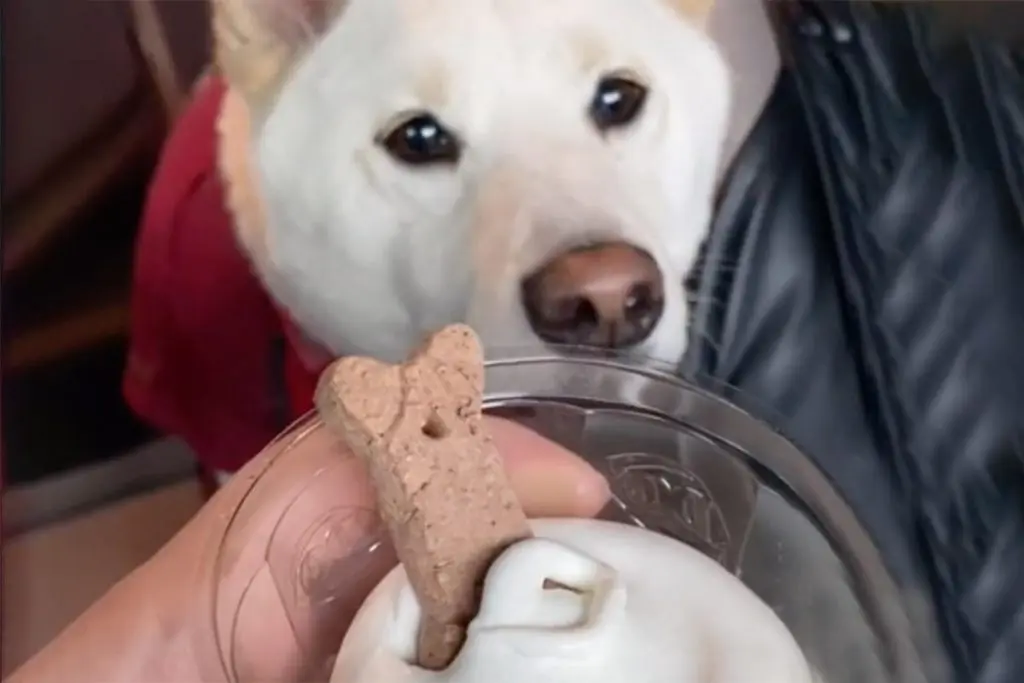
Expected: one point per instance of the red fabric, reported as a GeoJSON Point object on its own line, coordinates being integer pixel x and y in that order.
{"type": "Point", "coordinates": [303, 365]}
{"type": "Point", "coordinates": [200, 361]}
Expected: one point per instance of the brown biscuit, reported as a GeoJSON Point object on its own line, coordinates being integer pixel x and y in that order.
{"type": "Point", "coordinates": [440, 483]}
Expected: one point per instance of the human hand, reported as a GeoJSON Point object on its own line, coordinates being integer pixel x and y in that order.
{"type": "Point", "coordinates": [262, 584]}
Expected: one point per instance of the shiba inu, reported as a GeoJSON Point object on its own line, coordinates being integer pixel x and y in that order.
{"type": "Point", "coordinates": [542, 170]}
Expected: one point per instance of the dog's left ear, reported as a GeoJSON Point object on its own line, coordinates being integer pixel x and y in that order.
{"type": "Point", "coordinates": [696, 11]}
{"type": "Point", "coordinates": [256, 42]}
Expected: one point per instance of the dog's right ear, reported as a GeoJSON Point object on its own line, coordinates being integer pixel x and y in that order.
{"type": "Point", "coordinates": [256, 42]}
{"type": "Point", "coordinates": [697, 11]}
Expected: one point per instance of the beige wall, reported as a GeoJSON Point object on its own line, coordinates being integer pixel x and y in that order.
{"type": "Point", "coordinates": [52, 574]}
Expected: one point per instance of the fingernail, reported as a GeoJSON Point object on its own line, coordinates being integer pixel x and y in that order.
{"type": "Point", "coordinates": [593, 490]}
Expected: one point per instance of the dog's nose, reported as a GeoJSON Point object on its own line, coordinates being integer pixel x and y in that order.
{"type": "Point", "coordinates": [608, 295]}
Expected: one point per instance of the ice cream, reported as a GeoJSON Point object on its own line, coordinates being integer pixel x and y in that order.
{"type": "Point", "coordinates": [586, 601]}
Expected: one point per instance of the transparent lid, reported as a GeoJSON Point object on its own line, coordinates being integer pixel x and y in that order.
{"type": "Point", "coordinates": [679, 460]}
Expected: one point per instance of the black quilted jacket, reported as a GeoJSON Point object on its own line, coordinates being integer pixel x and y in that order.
{"type": "Point", "coordinates": [863, 287]}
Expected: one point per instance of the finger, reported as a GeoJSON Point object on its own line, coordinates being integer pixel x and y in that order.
{"type": "Point", "coordinates": [301, 546]}
{"type": "Point", "coordinates": [549, 480]}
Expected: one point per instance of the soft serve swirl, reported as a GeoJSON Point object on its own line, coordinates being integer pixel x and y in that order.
{"type": "Point", "coordinates": [628, 604]}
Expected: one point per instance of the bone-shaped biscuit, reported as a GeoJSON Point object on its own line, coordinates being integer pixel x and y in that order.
{"type": "Point", "coordinates": [441, 486]}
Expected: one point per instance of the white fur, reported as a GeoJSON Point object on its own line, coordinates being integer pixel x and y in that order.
{"type": "Point", "coordinates": [369, 256]}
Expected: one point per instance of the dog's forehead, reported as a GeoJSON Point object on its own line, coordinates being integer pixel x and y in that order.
{"type": "Point", "coordinates": [584, 32]}
{"type": "Point", "coordinates": [694, 10]}
{"type": "Point", "coordinates": [512, 16]}
{"type": "Point", "coordinates": [257, 41]}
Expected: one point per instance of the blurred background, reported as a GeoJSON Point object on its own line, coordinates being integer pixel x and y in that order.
{"type": "Point", "coordinates": [89, 90]}
{"type": "Point", "coordinates": [86, 104]}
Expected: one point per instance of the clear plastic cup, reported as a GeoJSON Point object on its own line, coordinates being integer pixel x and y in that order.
{"type": "Point", "coordinates": [680, 461]}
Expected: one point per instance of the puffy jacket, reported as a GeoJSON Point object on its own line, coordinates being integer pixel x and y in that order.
{"type": "Point", "coordinates": [863, 288]}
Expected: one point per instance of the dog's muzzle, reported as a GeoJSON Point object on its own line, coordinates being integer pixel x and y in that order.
{"type": "Point", "coordinates": [608, 295]}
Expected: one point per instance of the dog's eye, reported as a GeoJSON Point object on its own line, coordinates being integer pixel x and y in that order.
{"type": "Point", "coordinates": [617, 102]}
{"type": "Point", "coordinates": [421, 141]}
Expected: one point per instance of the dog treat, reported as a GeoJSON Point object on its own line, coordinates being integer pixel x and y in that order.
{"type": "Point", "coordinates": [441, 487]}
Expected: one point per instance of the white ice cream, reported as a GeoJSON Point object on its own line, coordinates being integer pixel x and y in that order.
{"type": "Point", "coordinates": [643, 608]}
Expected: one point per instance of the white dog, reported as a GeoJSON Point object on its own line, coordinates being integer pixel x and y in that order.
{"type": "Point", "coordinates": [540, 169]}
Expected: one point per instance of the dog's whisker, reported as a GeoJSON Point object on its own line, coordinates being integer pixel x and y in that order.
{"type": "Point", "coordinates": [704, 337]}
{"type": "Point", "coordinates": [721, 264]}
{"type": "Point", "coordinates": [707, 300]}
